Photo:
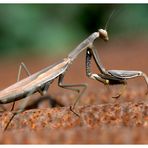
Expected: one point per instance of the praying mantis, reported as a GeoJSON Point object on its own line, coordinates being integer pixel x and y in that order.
{"type": "Point", "coordinates": [40, 81]}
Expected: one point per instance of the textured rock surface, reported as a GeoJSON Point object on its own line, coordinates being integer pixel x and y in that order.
{"type": "Point", "coordinates": [108, 123]}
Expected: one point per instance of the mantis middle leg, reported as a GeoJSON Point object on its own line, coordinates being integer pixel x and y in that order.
{"type": "Point", "coordinates": [73, 87]}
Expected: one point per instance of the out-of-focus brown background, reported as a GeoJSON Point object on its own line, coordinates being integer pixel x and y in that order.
{"type": "Point", "coordinates": [40, 35]}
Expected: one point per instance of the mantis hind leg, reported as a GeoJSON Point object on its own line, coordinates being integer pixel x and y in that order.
{"type": "Point", "coordinates": [74, 87]}
{"type": "Point", "coordinates": [22, 65]}
{"type": "Point", "coordinates": [22, 108]}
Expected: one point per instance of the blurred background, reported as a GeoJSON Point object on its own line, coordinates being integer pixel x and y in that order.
{"type": "Point", "coordinates": [52, 29]}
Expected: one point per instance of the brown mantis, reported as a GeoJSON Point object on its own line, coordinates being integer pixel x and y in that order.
{"type": "Point", "coordinates": [40, 81]}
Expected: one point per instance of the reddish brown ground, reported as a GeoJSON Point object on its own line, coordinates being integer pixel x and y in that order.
{"type": "Point", "coordinates": [102, 118]}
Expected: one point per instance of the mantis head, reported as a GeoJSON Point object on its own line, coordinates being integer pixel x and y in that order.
{"type": "Point", "coordinates": [103, 34]}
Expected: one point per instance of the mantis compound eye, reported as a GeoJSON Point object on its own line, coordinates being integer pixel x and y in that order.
{"type": "Point", "coordinates": [103, 34]}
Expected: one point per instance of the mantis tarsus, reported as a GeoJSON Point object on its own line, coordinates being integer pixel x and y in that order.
{"type": "Point", "coordinates": [40, 81]}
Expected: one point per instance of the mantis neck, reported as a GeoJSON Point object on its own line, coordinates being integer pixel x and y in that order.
{"type": "Point", "coordinates": [83, 45]}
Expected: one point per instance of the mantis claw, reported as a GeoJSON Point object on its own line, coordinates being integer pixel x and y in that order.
{"type": "Point", "coordinates": [116, 97]}
{"type": "Point", "coordinates": [71, 109]}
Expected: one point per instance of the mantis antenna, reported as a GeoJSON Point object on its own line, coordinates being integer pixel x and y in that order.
{"type": "Point", "coordinates": [108, 20]}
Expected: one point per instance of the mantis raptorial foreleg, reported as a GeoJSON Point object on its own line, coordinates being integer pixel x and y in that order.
{"type": "Point", "coordinates": [89, 54]}
{"type": "Point", "coordinates": [110, 77]}
{"type": "Point", "coordinates": [104, 77]}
